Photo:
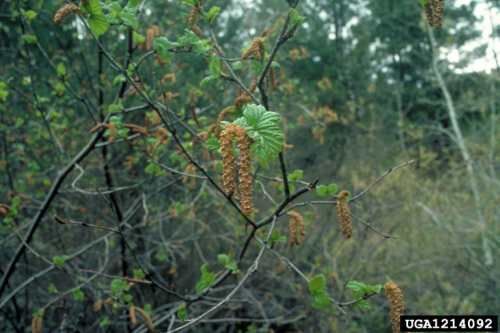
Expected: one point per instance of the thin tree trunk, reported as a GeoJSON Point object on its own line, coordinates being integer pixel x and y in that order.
{"type": "Point", "coordinates": [459, 139]}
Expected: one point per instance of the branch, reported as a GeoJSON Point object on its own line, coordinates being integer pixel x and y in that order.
{"type": "Point", "coordinates": [45, 206]}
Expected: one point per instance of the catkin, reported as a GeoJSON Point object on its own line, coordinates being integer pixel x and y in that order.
{"type": "Point", "coordinates": [64, 11]}
{"type": "Point", "coordinates": [147, 320]}
{"type": "Point", "coordinates": [396, 304]}
{"type": "Point", "coordinates": [228, 160]}
{"type": "Point", "coordinates": [245, 171]}
{"type": "Point", "coordinates": [4, 210]}
{"type": "Point", "coordinates": [434, 11]}
{"type": "Point", "coordinates": [256, 49]}
{"type": "Point", "coordinates": [37, 324]}
{"type": "Point", "coordinates": [216, 129]}
{"type": "Point", "coordinates": [152, 32]}
{"type": "Point", "coordinates": [242, 99]}
{"type": "Point", "coordinates": [344, 214]}
{"type": "Point", "coordinates": [296, 230]}
{"type": "Point", "coordinates": [132, 315]}
{"type": "Point", "coordinates": [245, 179]}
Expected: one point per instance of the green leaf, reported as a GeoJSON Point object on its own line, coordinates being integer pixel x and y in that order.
{"type": "Point", "coordinates": [215, 66]}
{"type": "Point", "coordinates": [115, 108]}
{"type": "Point", "coordinates": [277, 237]}
{"type": "Point", "coordinates": [212, 14]}
{"type": "Point", "coordinates": [119, 79]}
{"type": "Point", "coordinates": [190, 2]}
{"type": "Point", "coordinates": [138, 38]}
{"type": "Point", "coordinates": [263, 127]}
{"type": "Point", "coordinates": [78, 295]}
{"type": "Point", "coordinates": [4, 92]}
{"type": "Point", "coordinates": [317, 288]}
{"type": "Point", "coordinates": [317, 284]}
{"type": "Point", "coordinates": [29, 39]}
{"type": "Point", "coordinates": [52, 289]}
{"type": "Point", "coordinates": [61, 70]}
{"type": "Point", "coordinates": [361, 289]}
{"type": "Point", "coordinates": [119, 287]}
{"type": "Point", "coordinates": [97, 20]}
{"type": "Point", "coordinates": [155, 170]}
{"type": "Point", "coordinates": [59, 260]}
{"type": "Point", "coordinates": [162, 46]}
{"type": "Point", "coordinates": [296, 175]}
{"type": "Point", "coordinates": [206, 279]}
{"type": "Point", "coordinates": [129, 17]}
{"type": "Point", "coordinates": [134, 3]}
{"type": "Point", "coordinates": [98, 24]}
{"type": "Point", "coordinates": [104, 322]}
{"type": "Point", "coordinates": [332, 188]}
{"type": "Point", "coordinates": [295, 17]}
{"type": "Point", "coordinates": [212, 143]}
{"type": "Point", "coordinates": [138, 274]}
{"type": "Point", "coordinates": [207, 81]}
{"type": "Point", "coordinates": [326, 190]}
{"type": "Point", "coordinates": [321, 301]}
{"type": "Point", "coordinates": [228, 262]}
{"type": "Point", "coordinates": [182, 312]}
{"type": "Point", "coordinates": [30, 15]}
{"type": "Point", "coordinates": [190, 39]}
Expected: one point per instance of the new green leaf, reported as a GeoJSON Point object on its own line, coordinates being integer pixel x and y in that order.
{"type": "Point", "coordinates": [263, 127]}
{"type": "Point", "coordinates": [206, 279]}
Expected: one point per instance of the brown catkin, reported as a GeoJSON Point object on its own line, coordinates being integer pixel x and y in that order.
{"type": "Point", "coordinates": [242, 99]}
{"type": "Point", "coordinates": [98, 305]}
{"type": "Point", "coordinates": [4, 210]}
{"type": "Point", "coordinates": [245, 171]}
{"type": "Point", "coordinates": [147, 320]}
{"type": "Point", "coordinates": [344, 214]}
{"type": "Point", "coordinates": [216, 129]}
{"type": "Point", "coordinates": [228, 160]}
{"type": "Point", "coordinates": [296, 230]}
{"type": "Point", "coordinates": [396, 303]}
{"type": "Point", "coordinates": [132, 315]}
{"type": "Point", "coordinates": [152, 32]}
{"type": "Point", "coordinates": [37, 324]}
{"type": "Point", "coordinates": [256, 49]}
{"type": "Point", "coordinates": [64, 11]}
{"type": "Point", "coordinates": [434, 11]}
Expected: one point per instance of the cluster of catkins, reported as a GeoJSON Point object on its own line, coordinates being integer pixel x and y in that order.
{"type": "Point", "coordinates": [434, 11]}
{"type": "Point", "coordinates": [230, 132]}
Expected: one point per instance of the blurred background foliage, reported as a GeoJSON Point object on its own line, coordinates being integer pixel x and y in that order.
{"type": "Point", "coordinates": [357, 95]}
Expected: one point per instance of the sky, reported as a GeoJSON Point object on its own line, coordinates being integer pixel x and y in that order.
{"type": "Point", "coordinates": [487, 63]}
{"type": "Point", "coordinates": [489, 18]}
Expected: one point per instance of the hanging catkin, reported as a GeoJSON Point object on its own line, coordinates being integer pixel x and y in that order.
{"type": "Point", "coordinates": [152, 32]}
{"type": "Point", "coordinates": [228, 160]}
{"type": "Point", "coordinates": [65, 11]}
{"type": "Point", "coordinates": [147, 320]}
{"type": "Point", "coordinates": [434, 11]}
{"type": "Point", "coordinates": [344, 214]}
{"type": "Point", "coordinates": [396, 304]}
{"type": "Point", "coordinates": [245, 179]}
{"type": "Point", "coordinates": [296, 231]}
{"type": "Point", "coordinates": [245, 171]}
{"type": "Point", "coordinates": [256, 49]}
{"type": "Point", "coordinates": [132, 315]}
{"type": "Point", "coordinates": [37, 324]}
